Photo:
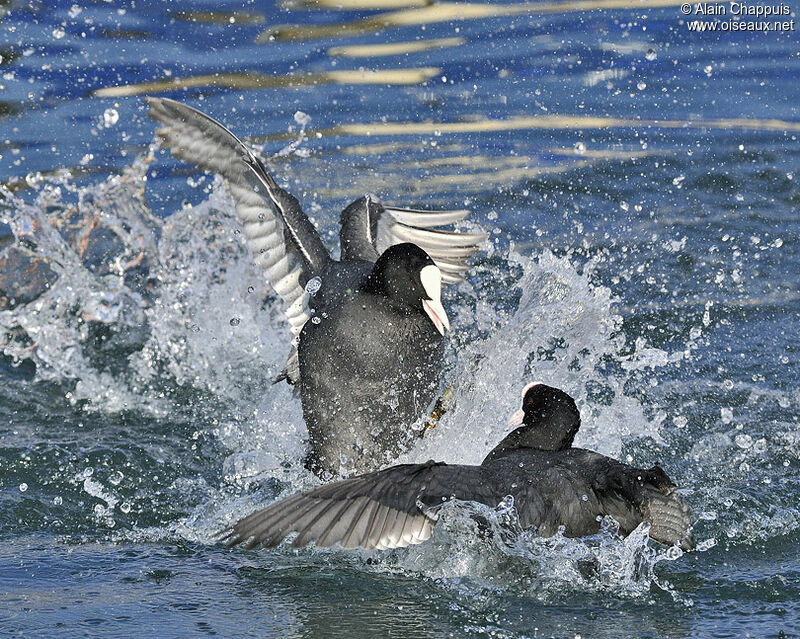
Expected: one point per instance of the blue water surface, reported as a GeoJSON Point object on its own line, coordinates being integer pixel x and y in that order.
{"type": "Point", "coordinates": [639, 182]}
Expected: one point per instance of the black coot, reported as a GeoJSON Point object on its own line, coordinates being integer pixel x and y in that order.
{"type": "Point", "coordinates": [552, 484]}
{"type": "Point", "coordinates": [369, 360]}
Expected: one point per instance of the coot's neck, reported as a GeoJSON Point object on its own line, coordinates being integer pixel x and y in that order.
{"type": "Point", "coordinates": [546, 434]}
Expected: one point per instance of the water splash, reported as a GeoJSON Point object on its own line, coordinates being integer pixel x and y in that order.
{"type": "Point", "coordinates": [477, 549]}
{"type": "Point", "coordinates": [564, 332]}
{"type": "Point", "coordinates": [171, 319]}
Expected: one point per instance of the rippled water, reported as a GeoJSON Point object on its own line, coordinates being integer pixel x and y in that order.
{"type": "Point", "coordinates": [640, 186]}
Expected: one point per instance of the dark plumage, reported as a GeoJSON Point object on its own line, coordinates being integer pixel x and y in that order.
{"type": "Point", "coordinates": [371, 364]}
{"type": "Point", "coordinates": [552, 484]}
{"type": "Point", "coordinates": [368, 363]}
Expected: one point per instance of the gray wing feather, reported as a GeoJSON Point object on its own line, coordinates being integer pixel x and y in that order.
{"type": "Point", "coordinates": [374, 511]}
{"type": "Point", "coordinates": [670, 519]}
{"type": "Point", "coordinates": [368, 228]}
{"type": "Point", "coordinates": [283, 241]}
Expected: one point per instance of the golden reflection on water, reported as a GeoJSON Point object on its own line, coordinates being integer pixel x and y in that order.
{"type": "Point", "coordinates": [554, 122]}
{"type": "Point", "coordinates": [477, 161]}
{"type": "Point", "coordinates": [390, 147]}
{"type": "Point", "coordinates": [221, 17]}
{"type": "Point", "coordinates": [447, 11]}
{"type": "Point", "coordinates": [354, 5]}
{"type": "Point", "coordinates": [389, 182]}
{"type": "Point", "coordinates": [253, 80]}
{"type": "Point", "coordinates": [393, 48]}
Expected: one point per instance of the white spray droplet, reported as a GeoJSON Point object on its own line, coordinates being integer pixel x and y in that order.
{"type": "Point", "coordinates": [313, 285]}
{"type": "Point", "coordinates": [303, 119]}
{"type": "Point", "coordinates": [110, 117]}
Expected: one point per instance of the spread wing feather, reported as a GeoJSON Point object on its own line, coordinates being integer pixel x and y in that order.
{"type": "Point", "coordinates": [374, 511]}
{"type": "Point", "coordinates": [397, 507]}
{"type": "Point", "coordinates": [283, 241]}
{"type": "Point", "coordinates": [368, 228]}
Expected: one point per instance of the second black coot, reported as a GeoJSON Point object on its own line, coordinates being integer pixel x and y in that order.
{"type": "Point", "coordinates": [370, 326]}
{"type": "Point", "coordinates": [552, 484]}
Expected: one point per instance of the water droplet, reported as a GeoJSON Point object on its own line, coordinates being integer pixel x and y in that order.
{"type": "Point", "coordinates": [23, 487]}
{"type": "Point", "coordinates": [706, 545]}
{"type": "Point", "coordinates": [59, 33]}
{"type": "Point", "coordinates": [303, 119]}
{"type": "Point", "coordinates": [674, 553]}
{"type": "Point", "coordinates": [125, 507]}
{"type": "Point", "coordinates": [676, 181]}
{"type": "Point", "coordinates": [88, 471]}
{"type": "Point", "coordinates": [110, 117]}
{"type": "Point", "coordinates": [650, 55]}
{"type": "Point", "coordinates": [641, 86]}
{"type": "Point", "coordinates": [32, 179]}
{"type": "Point", "coordinates": [743, 441]}
{"type": "Point", "coordinates": [251, 289]}
{"type": "Point", "coordinates": [74, 11]}
{"type": "Point", "coordinates": [116, 478]}
{"type": "Point", "coordinates": [580, 148]}
{"type": "Point", "coordinates": [313, 285]}
{"type": "Point", "coordinates": [315, 320]}
{"type": "Point", "coordinates": [235, 321]}
{"type": "Point", "coordinates": [584, 497]}
{"type": "Point", "coordinates": [195, 328]}
{"type": "Point", "coordinates": [707, 69]}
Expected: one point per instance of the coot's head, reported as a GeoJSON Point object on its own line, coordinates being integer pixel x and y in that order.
{"type": "Point", "coordinates": [412, 282]}
{"type": "Point", "coordinates": [548, 419]}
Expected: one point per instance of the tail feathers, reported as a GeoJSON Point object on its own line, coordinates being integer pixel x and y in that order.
{"type": "Point", "coordinates": [669, 517]}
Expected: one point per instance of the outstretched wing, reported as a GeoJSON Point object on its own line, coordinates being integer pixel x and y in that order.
{"type": "Point", "coordinates": [653, 494]}
{"type": "Point", "coordinates": [368, 228]}
{"type": "Point", "coordinates": [629, 495]}
{"type": "Point", "coordinates": [374, 511]}
{"type": "Point", "coordinates": [283, 241]}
